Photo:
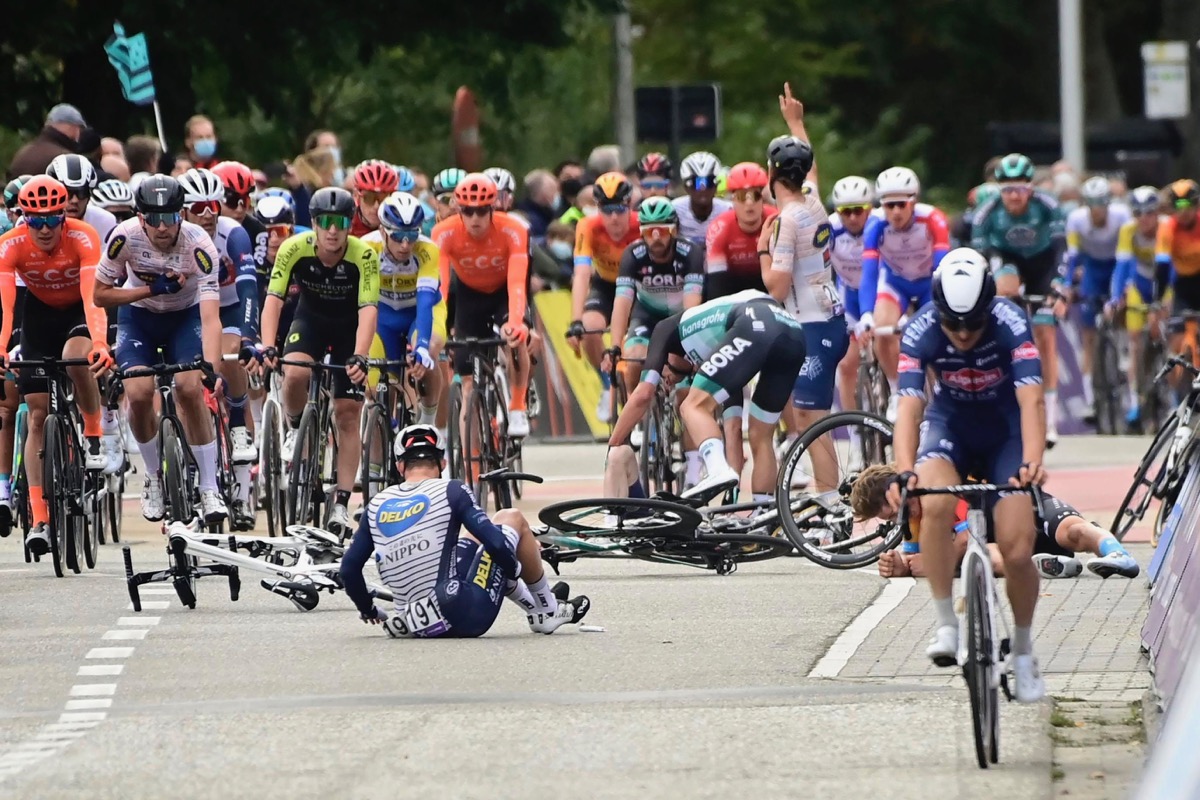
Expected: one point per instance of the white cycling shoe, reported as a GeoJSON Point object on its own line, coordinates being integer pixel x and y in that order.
{"type": "Point", "coordinates": [1027, 677]}
{"type": "Point", "coordinates": [94, 457]}
{"type": "Point", "coordinates": [943, 647]}
{"type": "Point", "coordinates": [38, 540]}
{"type": "Point", "coordinates": [212, 508]}
{"type": "Point", "coordinates": [568, 612]}
{"type": "Point", "coordinates": [604, 407]}
{"type": "Point", "coordinates": [518, 424]}
{"type": "Point", "coordinates": [1118, 563]}
{"type": "Point", "coordinates": [712, 485]}
{"type": "Point", "coordinates": [339, 520]}
{"type": "Point", "coordinates": [114, 453]}
{"type": "Point", "coordinates": [289, 445]}
{"type": "Point", "coordinates": [244, 451]}
{"type": "Point", "coordinates": [152, 498]}
{"type": "Point", "coordinates": [1052, 566]}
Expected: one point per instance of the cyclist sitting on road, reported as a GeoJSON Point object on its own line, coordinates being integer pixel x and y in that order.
{"type": "Point", "coordinates": [700, 205]}
{"type": "Point", "coordinates": [56, 257]}
{"type": "Point", "coordinates": [169, 300]}
{"type": "Point", "coordinates": [1063, 533]}
{"type": "Point", "coordinates": [448, 583]}
{"type": "Point", "coordinates": [373, 181]}
{"type": "Point", "coordinates": [985, 367]}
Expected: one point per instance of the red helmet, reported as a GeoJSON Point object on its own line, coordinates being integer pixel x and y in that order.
{"type": "Point", "coordinates": [42, 195]}
{"type": "Point", "coordinates": [475, 190]}
{"type": "Point", "coordinates": [654, 164]}
{"type": "Point", "coordinates": [236, 176]}
{"type": "Point", "coordinates": [376, 176]}
{"type": "Point", "coordinates": [746, 175]}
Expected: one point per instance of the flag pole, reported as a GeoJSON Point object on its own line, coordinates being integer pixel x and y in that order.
{"type": "Point", "coordinates": [158, 122]}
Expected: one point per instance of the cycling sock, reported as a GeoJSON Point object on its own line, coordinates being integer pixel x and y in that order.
{"type": "Point", "coordinates": [893, 383]}
{"type": "Point", "coordinates": [5, 487]}
{"type": "Point", "coordinates": [1089, 394]}
{"type": "Point", "coordinates": [91, 423]}
{"type": "Point", "coordinates": [237, 411]}
{"type": "Point", "coordinates": [1022, 641]}
{"type": "Point", "coordinates": [427, 414]}
{"type": "Point", "coordinates": [206, 463]}
{"type": "Point", "coordinates": [341, 498]}
{"type": "Point", "coordinates": [518, 398]}
{"type": "Point", "coordinates": [256, 415]}
{"type": "Point", "coordinates": [150, 456]}
{"type": "Point", "coordinates": [518, 592]}
{"type": "Point", "coordinates": [605, 379]}
{"type": "Point", "coordinates": [1133, 397]}
{"type": "Point", "coordinates": [37, 504]}
{"type": "Point", "coordinates": [694, 463]}
{"type": "Point", "coordinates": [713, 452]}
{"type": "Point", "coordinates": [763, 497]}
{"type": "Point", "coordinates": [109, 423]}
{"type": "Point", "coordinates": [1052, 409]}
{"type": "Point", "coordinates": [542, 597]}
{"type": "Point", "coordinates": [1109, 545]}
{"type": "Point", "coordinates": [944, 607]}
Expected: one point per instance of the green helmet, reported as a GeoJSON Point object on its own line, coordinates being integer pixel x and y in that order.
{"type": "Point", "coordinates": [657, 211]}
{"type": "Point", "coordinates": [985, 192]}
{"type": "Point", "coordinates": [446, 180]}
{"type": "Point", "coordinates": [1014, 167]}
{"type": "Point", "coordinates": [13, 189]}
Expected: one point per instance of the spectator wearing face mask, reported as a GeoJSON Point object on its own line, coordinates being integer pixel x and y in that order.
{"type": "Point", "coordinates": [61, 134]}
{"type": "Point", "coordinates": [583, 205]}
{"type": "Point", "coordinates": [560, 245]}
{"type": "Point", "coordinates": [200, 139]}
{"type": "Point", "coordinates": [541, 198]}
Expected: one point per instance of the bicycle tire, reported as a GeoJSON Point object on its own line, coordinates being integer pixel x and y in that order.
{"type": "Point", "coordinates": [608, 516]}
{"type": "Point", "coordinates": [376, 434]}
{"type": "Point", "coordinates": [735, 548]}
{"type": "Point", "coordinates": [978, 666]}
{"type": "Point", "coordinates": [270, 471]}
{"type": "Point", "coordinates": [1107, 385]}
{"type": "Point", "coordinates": [53, 475]}
{"type": "Point", "coordinates": [872, 391]}
{"type": "Point", "coordinates": [226, 479]}
{"type": "Point", "coordinates": [113, 500]}
{"type": "Point", "coordinates": [1128, 513]}
{"type": "Point", "coordinates": [477, 447]}
{"type": "Point", "coordinates": [175, 471]}
{"type": "Point", "coordinates": [454, 432]}
{"type": "Point", "coordinates": [93, 522]}
{"type": "Point", "coordinates": [75, 485]}
{"type": "Point", "coordinates": [304, 480]}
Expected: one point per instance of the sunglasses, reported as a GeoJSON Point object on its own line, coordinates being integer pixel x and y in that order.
{"type": "Point", "coordinates": [475, 211]}
{"type": "Point", "coordinates": [371, 198]}
{"type": "Point", "coordinates": [204, 208]}
{"type": "Point", "coordinates": [409, 235]}
{"type": "Point", "coordinates": [157, 219]}
{"type": "Point", "coordinates": [894, 204]}
{"type": "Point", "coordinates": [853, 211]}
{"type": "Point", "coordinates": [656, 232]}
{"type": "Point", "coordinates": [39, 221]}
{"type": "Point", "coordinates": [1014, 188]}
{"type": "Point", "coordinates": [233, 200]}
{"type": "Point", "coordinates": [282, 229]}
{"type": "Point", "coordinates": [701, 184]}
{"type": "Point", "coordinates": [748, 195]}
{"type": "Point", "coordinates": [335, 221]}
{"type": "Point", "coordinates": [961, 326]}
{"type": "Point", "coordinates": [1183, 204]}
{"type": "Point", "coordinates": [655, 184]}
{"type": "Point", "coordinates": [613, 209]}
{"type": "Point", "coordinates": [82, 193]}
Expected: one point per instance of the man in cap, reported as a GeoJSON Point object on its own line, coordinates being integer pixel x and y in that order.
{"type": "Point", "coordinates": [64, 127]}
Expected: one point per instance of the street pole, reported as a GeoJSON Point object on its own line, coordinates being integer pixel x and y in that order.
{"type": "Point", "coordinates": [1071, 92]}
{"type": "Point", "coordinates": [623, 113]}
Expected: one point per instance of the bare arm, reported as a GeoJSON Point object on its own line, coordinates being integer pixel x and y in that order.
{"type": "Point", "coordinates": [632, 413]}
{"type": "Point", "coordinates": [793, 114]}
{"type": "Point", "coordinates": [107, 296]}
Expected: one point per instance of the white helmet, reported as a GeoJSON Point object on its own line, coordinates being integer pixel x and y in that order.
{"type": "Point", "coordinates": [112, 193]}
{"type": "Point", "coordinates": [1144, 199]}
{"type": "Point", "coordinates": [701, 164]}
{"type": "Point", "coordinates": [72, 171]}
{"type": "Point", "coordinates": [201, 185]}
{"type": "Point", "coordinates": [963, 288]}
{"type": "Point", "coordinates": [897, 180]}
{"type": "Point", "coordinates": [1096, 191]}
{"type": "Point", "coordinates": [401, 210]}
{"type": "Point", "coordinates": [852, 191]}
{"type": "Point", "coordinates": [504, 180]}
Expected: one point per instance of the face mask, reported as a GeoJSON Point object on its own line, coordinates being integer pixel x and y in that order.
{"type": "Point", "coordinates": [205, 148]}
{"type": "Point", "coordinates": [557, 200]}
{"type": "Point", "coordinates": [336, 154]}
{"type": "Point", "coordinates": [561, 250]}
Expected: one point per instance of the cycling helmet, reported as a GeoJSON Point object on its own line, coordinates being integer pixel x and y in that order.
{"type": "Point", "coordinates": [159, 194]}
{"type": "Point", "coordinates": [1096, 191]}
{"type": "Point", "coordinates": [375, 176]}
{"type": "Point", "coordinates": [200, 185]}
{"type": "Point", "coordinates": [654, 164]}
{"type": "Point", "coordinates": [445, 181]}
{"type": "Point", "coordinates": [1183, 191]}
{"type": "Point", "coordinates": [272, 209]}
{"type": "Point", "coordinates": [419, 442]}
{"type": "Point", "coordinates": [790, 158]}
{"type": "Point", "coordinates": [405, 182]}
{"type": "Point", "coordinates": [111, 193]}
{"type": "Point", "coordinates": [331, 200]}
{"type": "Point", "coordinates": [852, 190]}
{"type": "Point", "coordinates": [746, 175]}
{"type": "Point", "coordinates": [1144, 200]}
{"type": "Point", "coordinates": [475, 190]}
{"type": "Point", "coordinates": [280, 192]}
{"type": "Point", "coordinates": [963, 289]}
{"type": "Point", "coordinates": [401, 210]}
{"type": "Point", "coordinates": [1014, 167]}
{"type": "Point", "coordinates": [612, 188]}
{"type": "Point", "coordinates": [42, 194]}
{"type": "Point", "coordinates": [897, 181]}
{"type": "Point", "coordinates": [13, 189]}
{"type": "Point", "coordinates": [74, 172]}
{"type": "Point", "coordinates": [657, 211]}
{"type": "Point", "coordinates": [504, 180]}
{"type": "Point", "coordinates": [985, 193]}
{"type": "Point", "coordinates": [700, 166]}
{"type": "Point", "coordinates": [237, 177]}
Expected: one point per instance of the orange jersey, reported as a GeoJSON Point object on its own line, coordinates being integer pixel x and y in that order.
{"type": "Point", "coordinates": [61, 278]}
{"type": "Point", "coordinates": [596, 249]}
{"type": "Point", "coordinates": [1181, 245]}
{"type": "Point", "coordinates": [486, 265]}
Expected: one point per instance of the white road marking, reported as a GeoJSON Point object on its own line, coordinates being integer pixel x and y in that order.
{"type": "Point", "coordinates": [82, 716]}
{"type": "Point", "coordinates": [92, 670]}
{"type": "Point", "coordinates": [126, 634]}
{"type": "Point", "coordinates": [139, 621]}
{"type": "Point", "coordinates": [151, 605]}
{"type": "Point", "coordinates": [846, 645]}
{"type": "Point", "coordinates": [109, 652]}
{"type": "Point", "coordinates": [88, 705]}
{"type": "Point", "coordinates": [93, 690]}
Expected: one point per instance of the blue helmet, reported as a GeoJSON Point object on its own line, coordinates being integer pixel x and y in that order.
{"type": "Point", "coordinates": [406, 180]}
{"type": "Point", "coordinates": [279, 191]}
{"type": "Point", "coordinates": [401, 210]}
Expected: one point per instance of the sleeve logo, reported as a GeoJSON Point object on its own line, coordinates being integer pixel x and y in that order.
{"type": "Point", "coordinates": [821, 237]}
{"type": "Point", "coordinates": [204, 261]}
{"type": "Point", "coordinates": [1026, 351]}
{"type": "Point", "coordinates": [908, 364]}
{"type": "Point", "coordinates": [115, 245]}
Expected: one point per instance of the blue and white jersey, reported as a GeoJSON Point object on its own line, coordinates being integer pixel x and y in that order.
{"type": "Point", "coordinates": [845, 252]}
{"type": "Point", "coordinates": [237, 260]}
{"type": "Point", "coordinates": [987, 375]}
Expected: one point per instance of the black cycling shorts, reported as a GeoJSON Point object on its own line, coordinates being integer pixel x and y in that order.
{"type": "Point", "coordinates": [475, 314]}
{"type": "Point", "coordinates": [600, 297]}
{"type": "Point", "coordinates": [1037, 272]}
{"type": "Point", "coordinates": [315, 335]}
{"type": "Point", "coordinates": [1054, 513]}
{"type": "Point", "coordinates": [1187, 298]}
{"type": "Point", "coordinates": [45, 333]}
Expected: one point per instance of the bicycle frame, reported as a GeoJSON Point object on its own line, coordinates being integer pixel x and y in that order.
{"type": "Point", "coordinates": [977, 552]}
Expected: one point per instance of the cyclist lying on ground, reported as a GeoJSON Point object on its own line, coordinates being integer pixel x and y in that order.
{"type": "Point", "coordinates": [1063, 533]}
{"type": "Point", "coordinates": [447, 583]}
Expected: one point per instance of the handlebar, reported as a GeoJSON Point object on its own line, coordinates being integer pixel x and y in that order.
{"type": "Point", "coordinates": [313, 365]}
{"type": "Point", "coordinates": [472, 342]}
{"type": "Point", "coordinates": [166, 370]}
{"type": "Point", "coordinates": [968, 489]}
{"type": "Point", "coordinates": [51, 362]}
{"type": "Point", "coordinates": [501, 475]}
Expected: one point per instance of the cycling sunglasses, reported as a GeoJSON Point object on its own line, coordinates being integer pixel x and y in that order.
{"type": "Point", "coordinates": [205, 208]}
{"type": "Point", "coordinates": [409, 235]}
{"type": "Point", "coordinates": [475, 211]}
{"type": "Point", "coordinates": [853, 211]}
{"type": "Point", "coordinates": [963, 326]}
{"type": "Point", "coordinates": [894, 204]}
{"type": "Point", "coordinates": [233, 199]}
{"type": "Point", "coordinates": [701, 183]}
{"type": "Point", "coordinates": [282, 229]}
{"type": "Point", "coordinates": [335, 221]}
{"type": "Point", "coordinates": [1183, 203]}
{"type": "Point", "coordinates": [748, 195]}
{"type": "Point", "coordinates": [656, 232]}
{"type": "Point", "coordinates": [38, 221]}
{"type": "Point", "coordinates": [372, 198]}
{"type": "Point", "coordinates": [614, 209]}
{"type": "Point", "coordinates": [1014, 188]}
{"type": "Point", "coordinates": [157, 219]}
{"type": "Point", "coordinates": [83, 192]}
{"type": "Point", "coordinates": [655, 184]}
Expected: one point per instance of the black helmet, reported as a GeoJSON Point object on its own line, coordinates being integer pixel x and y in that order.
{"type": "Point", "coordinates": [418, 442]}
{"type": "Point", "coordinates": [331, 200]}
{"type": "Point", "coordinates": [790, 158]}
{"type": "Point", "coordinates": [963, 289]}
{"type": "Point", "coordinates": [158, 193]}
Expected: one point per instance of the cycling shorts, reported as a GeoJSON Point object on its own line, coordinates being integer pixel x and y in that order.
{"type": "Point", "coordinates": [902, 292]}
{"type": "Point", "coordinates": [476, 313]}
{"type": "Point", "coordinates": [45, 334]}
{"type": "Point", "coordinates": [470, 599]}
{"type": "Point", "coordinates": [755, 345]}
{"type": "Point", "coordinates": [600, 297]}
{"type": "Point", "coordinates": [850, 304]}
{"type": "Point", "coordinates": [1094, 287]}
{"type": "Point", "coordinates": [314, 336]}
{"type": "Point", "coordinates": [990, 452]}
{"type": "Point", "coordinates": [1142, 291]}
{"type": "Point", "coordinates": [826, 344]}
{"type": "Point", "coordinates": [1037, 273]}
{"type": "Point", "coordinates": [641, 325]}
{"type": "Point", "coordinates": [140, 334]}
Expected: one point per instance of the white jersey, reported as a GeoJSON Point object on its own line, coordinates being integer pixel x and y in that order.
{"type": "Point", "coordinates": [129, 256]}
{"type": "Point", "coordinates": [845, 251]}
{"type": "Point", "coordinates": [692, 229]}
{"type": "Point", "coordinates": [1093, 242]}
{"type": "Point", "coordinates": [800, 246]}
{"type": "Point", "coordinates": [414, 532]}
{"type": "Point", "coordinates": [101, 219]}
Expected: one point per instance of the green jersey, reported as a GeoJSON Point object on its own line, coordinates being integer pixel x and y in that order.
{"type": "Point", "coordinates": [703, 328]}
{"type": "Point", "coordinates": [1041, 227]}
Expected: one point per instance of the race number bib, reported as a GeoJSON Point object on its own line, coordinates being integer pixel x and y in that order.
{"type": "Point", "coordinates": [424, 618]}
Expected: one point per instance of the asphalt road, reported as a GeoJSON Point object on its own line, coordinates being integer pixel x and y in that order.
{"type": "Point", "coordinates": [698, 687]}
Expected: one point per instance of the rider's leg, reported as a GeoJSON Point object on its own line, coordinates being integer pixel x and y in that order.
{"type": "Point", "coordinates": [887, 348]}
{"type": "Point", "coordinates": [295, 388]}
{"type": "Point", "coordinates": [1015, 534]}
{"type": "Point", "coordinates": [532, 590]}
{"type": "Point", "coordinates": [735, 449]}
{"type": "Point", "coordinates": [197, 427]}
{"type": "Point", "coordinates": [34, 443]}
{"type": "Point", "coordinates": [237, 382]}
{"type": "Point", "coordinates": [143, 421]}
{"type": "Point", "coordinates": [346, 414]}
{"type": "Point", "coordinates": [432, 384]}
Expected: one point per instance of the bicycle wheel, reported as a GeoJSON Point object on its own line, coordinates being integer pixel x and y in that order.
{"type": "Point", "coordinates": [454, 441]}
{"type": "Point", "coordinates": [226, 478]}
{"type": "Point", "coordinates": [1107, 384]}
{"type": "Point", "coordinates": [872, 390]}
{"type": "Point", "coordinates": [270, 471]}
{"type": "Point", "coordinates": [478, 454]}
{"type": "Point", "coordinates": [93, 523]}
{"type": "Point", "coordinates": [376, 452]}
{"type": "Point", "coordinates": [654, 460]}
{"type": "Point", "coordinates": [176, 478]}
{"type": "Point", "coordinates": [721, 552]}
{"type": "Point", "coordinates": [1155, 395]}
{"type": "Point", "coordinates": [113, 498]}
{"type": "Point", "coordinates": [625, 517]}
{"type": "Point", "coordinates": [979, 666]}
{"type": "Point", "coordinates": [1149, 477]}
{"type": "Point", "coordinates": [304, 481]}
{"type": "Point", "coordinates": [56, 484]}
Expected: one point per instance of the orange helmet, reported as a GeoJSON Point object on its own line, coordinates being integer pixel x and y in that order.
{"type": "Point", "coordinates": [1182, 193]}
{"type": "Point", "coordinates": [42, 195]}
{"type": "Point", "coordinates": [612, 188]}
{"type": "Point", "coordinates": [236, 176]}
{"type": "Point", "coordinates": [376, 176]}
{"type": "Point", "coordinates": [746, 175]}
{"type": "Point", "coordinates": [475, 190]}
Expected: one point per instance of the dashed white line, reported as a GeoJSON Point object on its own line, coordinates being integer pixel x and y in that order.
{"type": "Point", "coordinates": [151, 605]}
{"type": "Point", "coordinates": [93, 670]}
{"type": "Point", "coordinates": [138, 621]}
{"type": "Point", "coordinates": [125, 634]}
{"type": "Point", "coordinates": [91, 703]}
{"type": "Point", "coordinates": [109, 652]}
{"type": "Point", "coordinates": [846, 645]}
{"type": "Point", "coordinates": [93, 690]}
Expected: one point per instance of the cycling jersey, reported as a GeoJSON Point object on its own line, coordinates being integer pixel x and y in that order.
{"type": "Point", "coordinates": [696, 230]}
{"type": "Point", "coordinates": [130, 257]}
{"type": "Point", "coordinates": [259, 235]}
{"type": "Point", "coordinates": [101, 219]}
{"type": "Point", "coordinates": [800, 246]}
{"type": "Point", "coordinates": [1039, 229]}
{"type": "Point", "coordinates": [731, 260]}
{"type": "Point", "coordinates": [500, 259]}
{"type": "Point", "coordinates": [238, 279]}
{"type": "Point", "coordinates": [660, 287]}
{"type": "Point", "coordinates": [1179, 247]}
{"type": "Point", "coordinates": [1093, 243]}
{"type": "Point", "coordinates": [409, 292]}
{"type": "Point", "coordinates": [899, 263]}
{"type": "Point", "coordinates": [1138, 278]}
{"type": "Point", "coordinates": [443, 586]}
{"type": "Point", "coordinates": [63, 278]}
{"type": "Point", "coordinates": [845, 253]}
{"type": "Point", "coordinates": [596, 249]}
{"type": "Point", "coordinates": [334, 292]}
